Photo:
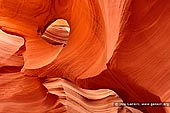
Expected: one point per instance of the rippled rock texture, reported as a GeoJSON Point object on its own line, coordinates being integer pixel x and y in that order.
{"type": "Point", "coordinates": [109, 51]}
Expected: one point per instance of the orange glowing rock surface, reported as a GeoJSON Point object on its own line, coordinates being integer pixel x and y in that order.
{"type": "Point", "coordinates": [109, 51]}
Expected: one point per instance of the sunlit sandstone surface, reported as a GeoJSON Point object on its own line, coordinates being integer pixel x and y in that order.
{"type": "Point", "coordinates": [81, 56]}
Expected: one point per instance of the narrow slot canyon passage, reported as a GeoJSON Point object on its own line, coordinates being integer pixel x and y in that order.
{"type": "Point", "coordinates": [84, 56]}
{"type": "Point", "coordinates": [57, 33]}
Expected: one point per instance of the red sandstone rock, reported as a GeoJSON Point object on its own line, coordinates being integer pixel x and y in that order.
{"type": "Point", "coordinates": [121, 45]}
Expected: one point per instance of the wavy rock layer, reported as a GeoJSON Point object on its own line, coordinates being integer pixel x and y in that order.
{"type": "Point", "coordinates": [18, 93]}
{"type": "Point", "coordinates": [121, 45]}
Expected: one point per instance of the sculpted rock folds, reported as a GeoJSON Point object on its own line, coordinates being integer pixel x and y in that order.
{"type": "Point", "coordinates": [107, 45]}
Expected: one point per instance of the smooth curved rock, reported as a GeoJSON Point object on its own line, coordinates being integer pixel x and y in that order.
{"type": "Point", "coordinates": [21, 94]}
{"type": "Point", "coordinates": [121, 45]}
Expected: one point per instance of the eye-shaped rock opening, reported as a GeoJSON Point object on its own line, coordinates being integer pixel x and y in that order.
{"type": "Point", "coordinates": [57, 33]}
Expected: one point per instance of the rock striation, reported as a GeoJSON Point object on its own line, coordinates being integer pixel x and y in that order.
{"type": "Point", "coordinates": [107, 51]}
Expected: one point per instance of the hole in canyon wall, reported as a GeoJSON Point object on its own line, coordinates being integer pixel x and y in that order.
{"type": "Point", "coordinates": [57, 33]}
